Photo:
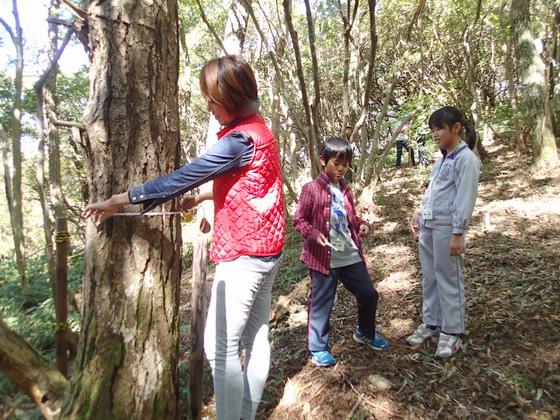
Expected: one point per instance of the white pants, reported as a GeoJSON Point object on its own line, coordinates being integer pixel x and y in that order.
{"type": "Point", "coordinates": [239, 311]}
{"type": "Point", "coordinates": [443, 287]}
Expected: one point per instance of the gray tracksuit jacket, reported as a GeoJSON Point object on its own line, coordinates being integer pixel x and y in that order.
{"type": "Point", "coordinates": [452, 191]}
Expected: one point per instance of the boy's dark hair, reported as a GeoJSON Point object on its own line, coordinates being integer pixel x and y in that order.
{"type": "Point", "coordinates": [448, 116]}
{"type": "Point", "coordinates": [335, 147]}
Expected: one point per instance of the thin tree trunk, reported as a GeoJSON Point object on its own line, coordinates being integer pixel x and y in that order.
{"type": "Point", "coordinates": [478, 115]}
{"type": "Point", "coordinates": [44, 90]}
{"type": "Point", "coordinates": [275, 56]}
{"type": "Point", "coordinates": [348, 19]}
{"type": "Point", "coordinates": [550, 73]}
{"type": "Point", "coordinates": [369, 71]}
{"type": "Point", "coordinates": [313, 142]}
{"type": "Point", "coordinates": [368, 193]}
{"type": "Point", "coordinates": [128, 353]}
{"type": "Point", "coordinates": [532, 75]}
{"type": "Point", "coordinates": [316, 105]}
{"type": "Point", "coordinates": [511, 82]}
{"type": "Point", "coordinates": [15, 199]}
{"type": "Point", "coordinates": [371, 158]}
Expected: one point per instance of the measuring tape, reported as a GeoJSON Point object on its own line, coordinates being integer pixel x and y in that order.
{"type": "Point", "coordinates": [189, 215]}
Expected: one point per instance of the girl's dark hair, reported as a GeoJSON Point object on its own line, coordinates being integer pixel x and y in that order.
{"type": "Point", "coordinates": [335, 147]}
{"type": "Point", "coordinates": [448, 116]}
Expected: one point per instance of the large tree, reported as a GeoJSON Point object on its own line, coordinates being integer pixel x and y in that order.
{"type": "Point", "coordinates": [538, 122]}
{"type": "Point", "coordinates": [126, 364]}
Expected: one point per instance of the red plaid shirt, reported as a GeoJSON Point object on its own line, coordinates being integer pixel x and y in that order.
{"type": "Point", "coordinates": [313, 216]}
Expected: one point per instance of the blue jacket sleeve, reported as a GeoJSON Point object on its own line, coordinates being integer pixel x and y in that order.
{"type": "Point", "coordinates": [233, 152]}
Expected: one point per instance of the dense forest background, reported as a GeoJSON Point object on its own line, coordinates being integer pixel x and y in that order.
{"type": "Point", "coordinates": [372, 71]}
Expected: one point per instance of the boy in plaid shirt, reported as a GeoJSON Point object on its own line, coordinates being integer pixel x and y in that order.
{"type": "Point", "coordinates": [327, 219]}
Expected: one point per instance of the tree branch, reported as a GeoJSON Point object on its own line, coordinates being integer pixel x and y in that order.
{"type": "Point", "coordinates": [60, 123]}
{"type": "Point", "coordinates": [211, 28]}
{"type": "Point", "coordinates": [285, 95]}
{"type": "Point", "coordinates": [8, 29]}
{"type": "Point", "coordinates": [39, 84]}
{"type": "Point", "coordinates": [58, 21]}
{"type": "Point", "coordinates": [79, 13]}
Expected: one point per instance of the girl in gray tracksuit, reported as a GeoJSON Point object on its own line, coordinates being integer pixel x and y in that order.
{"type": "Point", "coordinates": [441, 223]}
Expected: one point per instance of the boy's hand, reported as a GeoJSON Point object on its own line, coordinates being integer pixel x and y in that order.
{"type": "Point", "coordinates": [456, 245]}
{"type": "Point", "coordinates": [414, 221]}
{"type": "Point", "coordinates": [321, 239]}
{"type": "Point", "coordinates": [364, 230]}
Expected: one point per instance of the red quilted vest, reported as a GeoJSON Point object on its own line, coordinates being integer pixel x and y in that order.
{"type": "Point", "coordinates": [249, 203]}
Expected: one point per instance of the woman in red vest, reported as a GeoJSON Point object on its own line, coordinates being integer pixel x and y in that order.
{"type": "Point", "coordinates": [249, 228]}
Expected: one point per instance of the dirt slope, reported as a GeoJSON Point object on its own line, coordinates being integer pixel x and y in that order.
{"type": "Point", "coordinates": [510, 367]}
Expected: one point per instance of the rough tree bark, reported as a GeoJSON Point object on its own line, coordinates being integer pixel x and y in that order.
{"type": "Point", "coordinates": [127, 356]}
{"type": "Point", "coordinates": [538, 122]}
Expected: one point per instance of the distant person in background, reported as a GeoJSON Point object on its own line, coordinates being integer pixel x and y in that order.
{"type": "Point", "coordinates": [422, 158]}
{"type": "Point", "coordinates": [441, 223]}
{"type": "Point", "coordinates": [402, 144]}
{"type": "Point", "coordinates": [327, 219]}
{"type": "Point", "coordinates": [249, 231]}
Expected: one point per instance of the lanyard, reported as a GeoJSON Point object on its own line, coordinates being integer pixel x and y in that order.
{"type": "Point", "coordinates": [430, 185]}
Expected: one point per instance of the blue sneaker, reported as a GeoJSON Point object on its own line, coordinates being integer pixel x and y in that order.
{"type": "Point", "coordinates": [377, 343]}
{"type": "Point", "coordinates": [322, 358]}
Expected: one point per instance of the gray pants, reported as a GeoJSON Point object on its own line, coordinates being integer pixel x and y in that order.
{"type": "Point", "coordinates": [443, 287]}
{"type": "Point", "coordinates": [238, 311]}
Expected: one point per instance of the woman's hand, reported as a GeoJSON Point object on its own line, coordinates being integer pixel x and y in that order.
{"type": "Point", "coordinates": [364, 230]}
{"type": "Point", "coordinates": [456, 245]}
{"type": "Point", "coordinates": [414, 222]}
{"type": "Point", "coordinates": [188, 202]}
{"type": "Point", "coordinates": [104, 209]}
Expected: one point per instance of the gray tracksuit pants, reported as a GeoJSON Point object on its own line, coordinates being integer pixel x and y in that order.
{"type": "Point", "coordinates": [442, 282]}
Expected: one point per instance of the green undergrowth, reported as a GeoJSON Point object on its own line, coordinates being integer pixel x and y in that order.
{"type": "Point", "coordinates": [292, 269]}
{"type": "Point", "coordinates": [33, 317]}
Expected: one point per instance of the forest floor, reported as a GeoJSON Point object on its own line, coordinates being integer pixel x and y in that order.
{"type": "Point", "coordinates": [509, 367]}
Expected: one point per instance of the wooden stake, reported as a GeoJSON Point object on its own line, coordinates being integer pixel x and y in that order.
{"type": "Point", "coordinates": [198, 314]}
{"type": "Point", "coordinates": [61, 304]}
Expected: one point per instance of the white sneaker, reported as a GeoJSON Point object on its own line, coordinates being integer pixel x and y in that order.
{"type": "Point", "coordinates": [448, 345]}
{"type": "Point", "coordinates": [420, 334]}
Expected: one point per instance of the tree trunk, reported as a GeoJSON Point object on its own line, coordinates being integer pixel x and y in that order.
{"type": "Point", "coordinates": [22, 365]}
{"type": "Point", "coordinates": [551, 73]}
{"type": "Point", "coordinates": [348, 17]}
{"type": "Point", "coordinates": [367, 162]}
{"type": "Point", "coordinates": [127, 357]}
{"type": "Point", "coordinates": [14, 177]}
{"type": "Point", "coordinates": [511, 83]}
{"type": "Point", "coordinates": [534, 88]}
{"type": "Point", "coordinates": [45, 90]}
{"type": "Point", "coordinates": [470, 64]}
{"type": "Point", "coordinates": [312, 141]}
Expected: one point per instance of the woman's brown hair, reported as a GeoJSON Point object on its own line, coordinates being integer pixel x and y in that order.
{"type": "Point", "coordinates": [229, 81]}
